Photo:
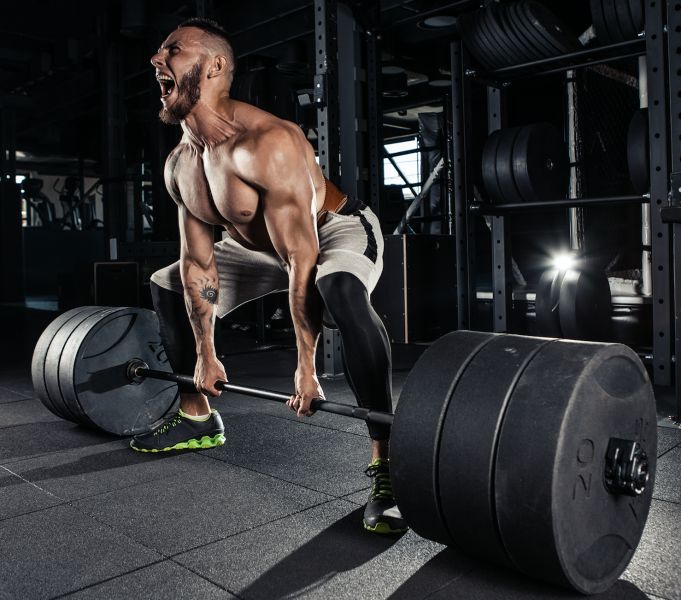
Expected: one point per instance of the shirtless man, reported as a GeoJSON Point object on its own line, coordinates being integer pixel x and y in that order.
{"type": "Point", "coordinates": [255, 175]}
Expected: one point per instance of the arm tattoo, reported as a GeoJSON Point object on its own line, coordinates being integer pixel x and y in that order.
{"type": "Point", "coordinates": [209, 294]}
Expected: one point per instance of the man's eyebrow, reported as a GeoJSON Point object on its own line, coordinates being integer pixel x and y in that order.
{"type": "Point", "coordinates": [169, 45]}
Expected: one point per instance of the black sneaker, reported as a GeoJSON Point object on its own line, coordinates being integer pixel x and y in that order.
{"type": "Point", "coordinates": [178, 432]}
{"type": "Point", "coordinates": [381, 514]}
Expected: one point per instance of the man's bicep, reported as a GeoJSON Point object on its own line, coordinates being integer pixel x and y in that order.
{"type": "Point", "coordinates": [291, 226]}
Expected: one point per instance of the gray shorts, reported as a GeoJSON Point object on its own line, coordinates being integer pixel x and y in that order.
{"type": "Point", "coordinates": [352, 243]}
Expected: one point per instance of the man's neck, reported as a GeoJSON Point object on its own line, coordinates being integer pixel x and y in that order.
{"type": "Point", "coordinates": [209, 125]}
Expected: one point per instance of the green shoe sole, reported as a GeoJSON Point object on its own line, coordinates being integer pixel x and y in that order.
{"type": "Point", "coordinates": [383, 528]}
{"type": "Point", "coordinates": [193, 444]}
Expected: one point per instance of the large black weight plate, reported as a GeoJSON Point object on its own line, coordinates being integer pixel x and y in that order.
{"type": "Point", "coordinates": [638, 151]}
{"type": "Point", "coordinates": [637, 15]}
{"type": "Point", "coordinates": [600, 22]}
{"type": "Point", "coordinates": [52, 359]}
{"type": "Point", "coordinates": [512, 54]}
{"type": "Point", "coordinates": [469, 34]}
{"type": "Point", "coordinates": [93, 375]}
{"type": "Point", "coordinates": [503, 165]}
{"type": "Point", "coordinates": [585, 304]}
{"type": "Point", "coordinates": [547, 303]}
{"type": "Point", "coordinates": [489, 173]}
{"type": "Point", "coordinates": [493, 53]}
{"type": "Point", "coordinates": [624, 19]}
{"type": "Point", "coordinates": [40, 355]}
{"type": "Point", "coordinates": [556, 518]}
{"type": "Point", "coordinates": [500, 13]}
{"type": "Point", "coordinates": [415, 436]}
{"type": "Point", "coordinates": [540, 163]}
{"type": "Point", "coordinates": [611, 17]}
{"type": "Point", "coordinates": [519, 25]}
{"type": "Point", "coordinates": [550, 27]}
{"type": "Point", "coordinates": [546, 48]}
{"type": "Point", "coordinates": [468, 444]}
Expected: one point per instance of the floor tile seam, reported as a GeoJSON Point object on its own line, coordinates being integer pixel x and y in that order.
{"type": "Point", "coordinates": [250, 529]}
{"type": "Point", "coordinates": [18, 459]}
{"type": "Point", "coordinates": [79, 510]}
{"type": "Point", "coordinates": [32, 512]}
{"type": "Point", "coordinates": [31, 483]}
{"type": "Point", "coordinates": [108, 579]}
{"type": "Point", "coordinates": [669, 450]}
{"type": "Point", "coordinates": [9, 389]}
{"type": "Point", "coordinates": [281, 479]}
{"type": "Point", "coordinates": [307, 423]}
{"type": "Point", "coordinates": [55, 420]}
{"type": "Point", "coordinates": [461, 575]}
{"type": "Point", "coordinates": [674, 502]}
{"type": "Point", "coordinates": [206, 578]}
{"type": "Point", "coordinates": [345, 496]}
{"type": "Point", "coordinates": [16, 401]}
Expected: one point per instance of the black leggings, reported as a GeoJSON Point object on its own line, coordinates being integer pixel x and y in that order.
{"type": "Point", "coordinates": [366, 348]}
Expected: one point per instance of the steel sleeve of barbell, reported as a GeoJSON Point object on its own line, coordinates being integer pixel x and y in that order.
{"type": "Point", "coordinates": [355, 412]}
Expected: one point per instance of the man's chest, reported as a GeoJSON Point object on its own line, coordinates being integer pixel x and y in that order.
{"type": "Point", "coordinates": [213, 192]}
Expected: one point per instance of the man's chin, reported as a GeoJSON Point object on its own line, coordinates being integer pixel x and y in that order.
{"type": "Point", "coordinates": [168, 117]}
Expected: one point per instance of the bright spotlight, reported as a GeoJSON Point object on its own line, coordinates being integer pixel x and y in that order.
{"type": "Point", "coordinates": [563, 262]}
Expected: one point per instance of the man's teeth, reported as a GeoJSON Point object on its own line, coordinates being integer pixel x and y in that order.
{"type": "Point", "coordinates": [164, 78]}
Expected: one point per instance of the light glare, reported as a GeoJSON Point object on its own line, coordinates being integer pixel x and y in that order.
{"type": "Point", "coordinates": [563, 262]}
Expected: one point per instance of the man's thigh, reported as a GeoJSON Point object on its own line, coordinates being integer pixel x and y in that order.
{"type": "Point", "coordinates": [352, 244]}
{"type": "Point", "coordinates": [244, 275]}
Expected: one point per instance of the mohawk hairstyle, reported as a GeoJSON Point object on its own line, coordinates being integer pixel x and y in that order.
{"type": "Point", "coordinates": [215, 29]}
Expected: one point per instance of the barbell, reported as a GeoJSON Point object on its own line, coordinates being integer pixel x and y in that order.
{"type": "Point", "coordinates": [533, 453]}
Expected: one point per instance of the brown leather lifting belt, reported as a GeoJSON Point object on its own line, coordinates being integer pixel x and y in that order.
{"type": "Point", "coordinates": [334, 200]}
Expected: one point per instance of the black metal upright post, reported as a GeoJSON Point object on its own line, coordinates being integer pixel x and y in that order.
{"type": "Point", "coordinates": [352, 117]}
{"type": "Point", "coordinates": [659, 185]}
{"type": "Point", "coordinates": [328, 137]}
{"type": "Point", "coordinates": [674, 60]}
{"type": "Point", "coordinates": [374, 121]}
{"type": "Point", "coordinates": [113, 136]}
{"type": "Point", "coordinates": [459, 140]}
{"type": "Point", "coordinates": [501, 256]}
{"type": "Point", "coordinates": [326, 87]}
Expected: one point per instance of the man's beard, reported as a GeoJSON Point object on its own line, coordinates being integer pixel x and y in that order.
{"type": "Point", "coordinates": [188, 94]}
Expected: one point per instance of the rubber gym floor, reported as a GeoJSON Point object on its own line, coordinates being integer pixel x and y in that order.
{"type": "Point", "coordinates": [274, 513]}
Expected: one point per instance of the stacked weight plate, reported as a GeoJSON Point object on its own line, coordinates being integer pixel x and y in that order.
{"type": "Point", "coordinates": [617, 20]}
{"type": "Point", "coordinates": [505, 437]}
{"type": "Point", "coordinates": [525, 164]}
{"type": "Point", "coordinates": [501, 35]}
{"type": "Point", "coordinates": [79, 369]}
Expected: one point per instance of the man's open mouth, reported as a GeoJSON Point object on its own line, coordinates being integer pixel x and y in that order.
{"type": "Point", "coordinates": [167, 84]}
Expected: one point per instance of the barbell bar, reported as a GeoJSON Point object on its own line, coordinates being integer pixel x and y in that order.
{"type": "Point", "coordinates": [138, 369]}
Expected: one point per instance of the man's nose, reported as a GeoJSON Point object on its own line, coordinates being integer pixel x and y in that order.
{"type": "Point", "coordinates": [156, 60]}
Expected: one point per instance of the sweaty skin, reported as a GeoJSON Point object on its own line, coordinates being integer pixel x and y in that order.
{"type": "Point", "coordinates": [243, 169]}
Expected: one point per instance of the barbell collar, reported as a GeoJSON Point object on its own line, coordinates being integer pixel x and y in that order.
{"type": "Point", "coordinates": [137, 370]}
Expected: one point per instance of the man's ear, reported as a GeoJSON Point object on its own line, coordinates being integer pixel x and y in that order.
{"type": "Point", "coordinates": [218, 66]}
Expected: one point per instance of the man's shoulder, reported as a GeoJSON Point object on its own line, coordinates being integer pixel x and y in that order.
{"type": "Point", "coordinates": [270, 140]}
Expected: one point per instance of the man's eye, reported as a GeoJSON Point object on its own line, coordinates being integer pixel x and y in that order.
{"type": "Point", "coordinates": [174, 50]}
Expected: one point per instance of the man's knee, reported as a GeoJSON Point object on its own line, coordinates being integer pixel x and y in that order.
{"type": "Point", "coordinates": [344, 295]}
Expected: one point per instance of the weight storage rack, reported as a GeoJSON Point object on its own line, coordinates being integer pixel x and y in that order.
{"type": "Point", "coordinates": [660, 44]}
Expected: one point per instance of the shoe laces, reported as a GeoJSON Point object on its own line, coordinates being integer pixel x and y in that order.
{"type": "Point", "coordinates": [381, 487]}
{"type": "Point", "coordinates": [172, 422]}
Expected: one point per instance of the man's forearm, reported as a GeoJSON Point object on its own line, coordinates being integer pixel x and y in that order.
{"type": "Point", "coordinates": [306, 313]}
{"type": "Point", "coordinates": [200, 297]}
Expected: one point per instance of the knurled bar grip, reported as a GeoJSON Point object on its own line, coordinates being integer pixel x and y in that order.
{"type": "Point", "coordinates": [355, 412]}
